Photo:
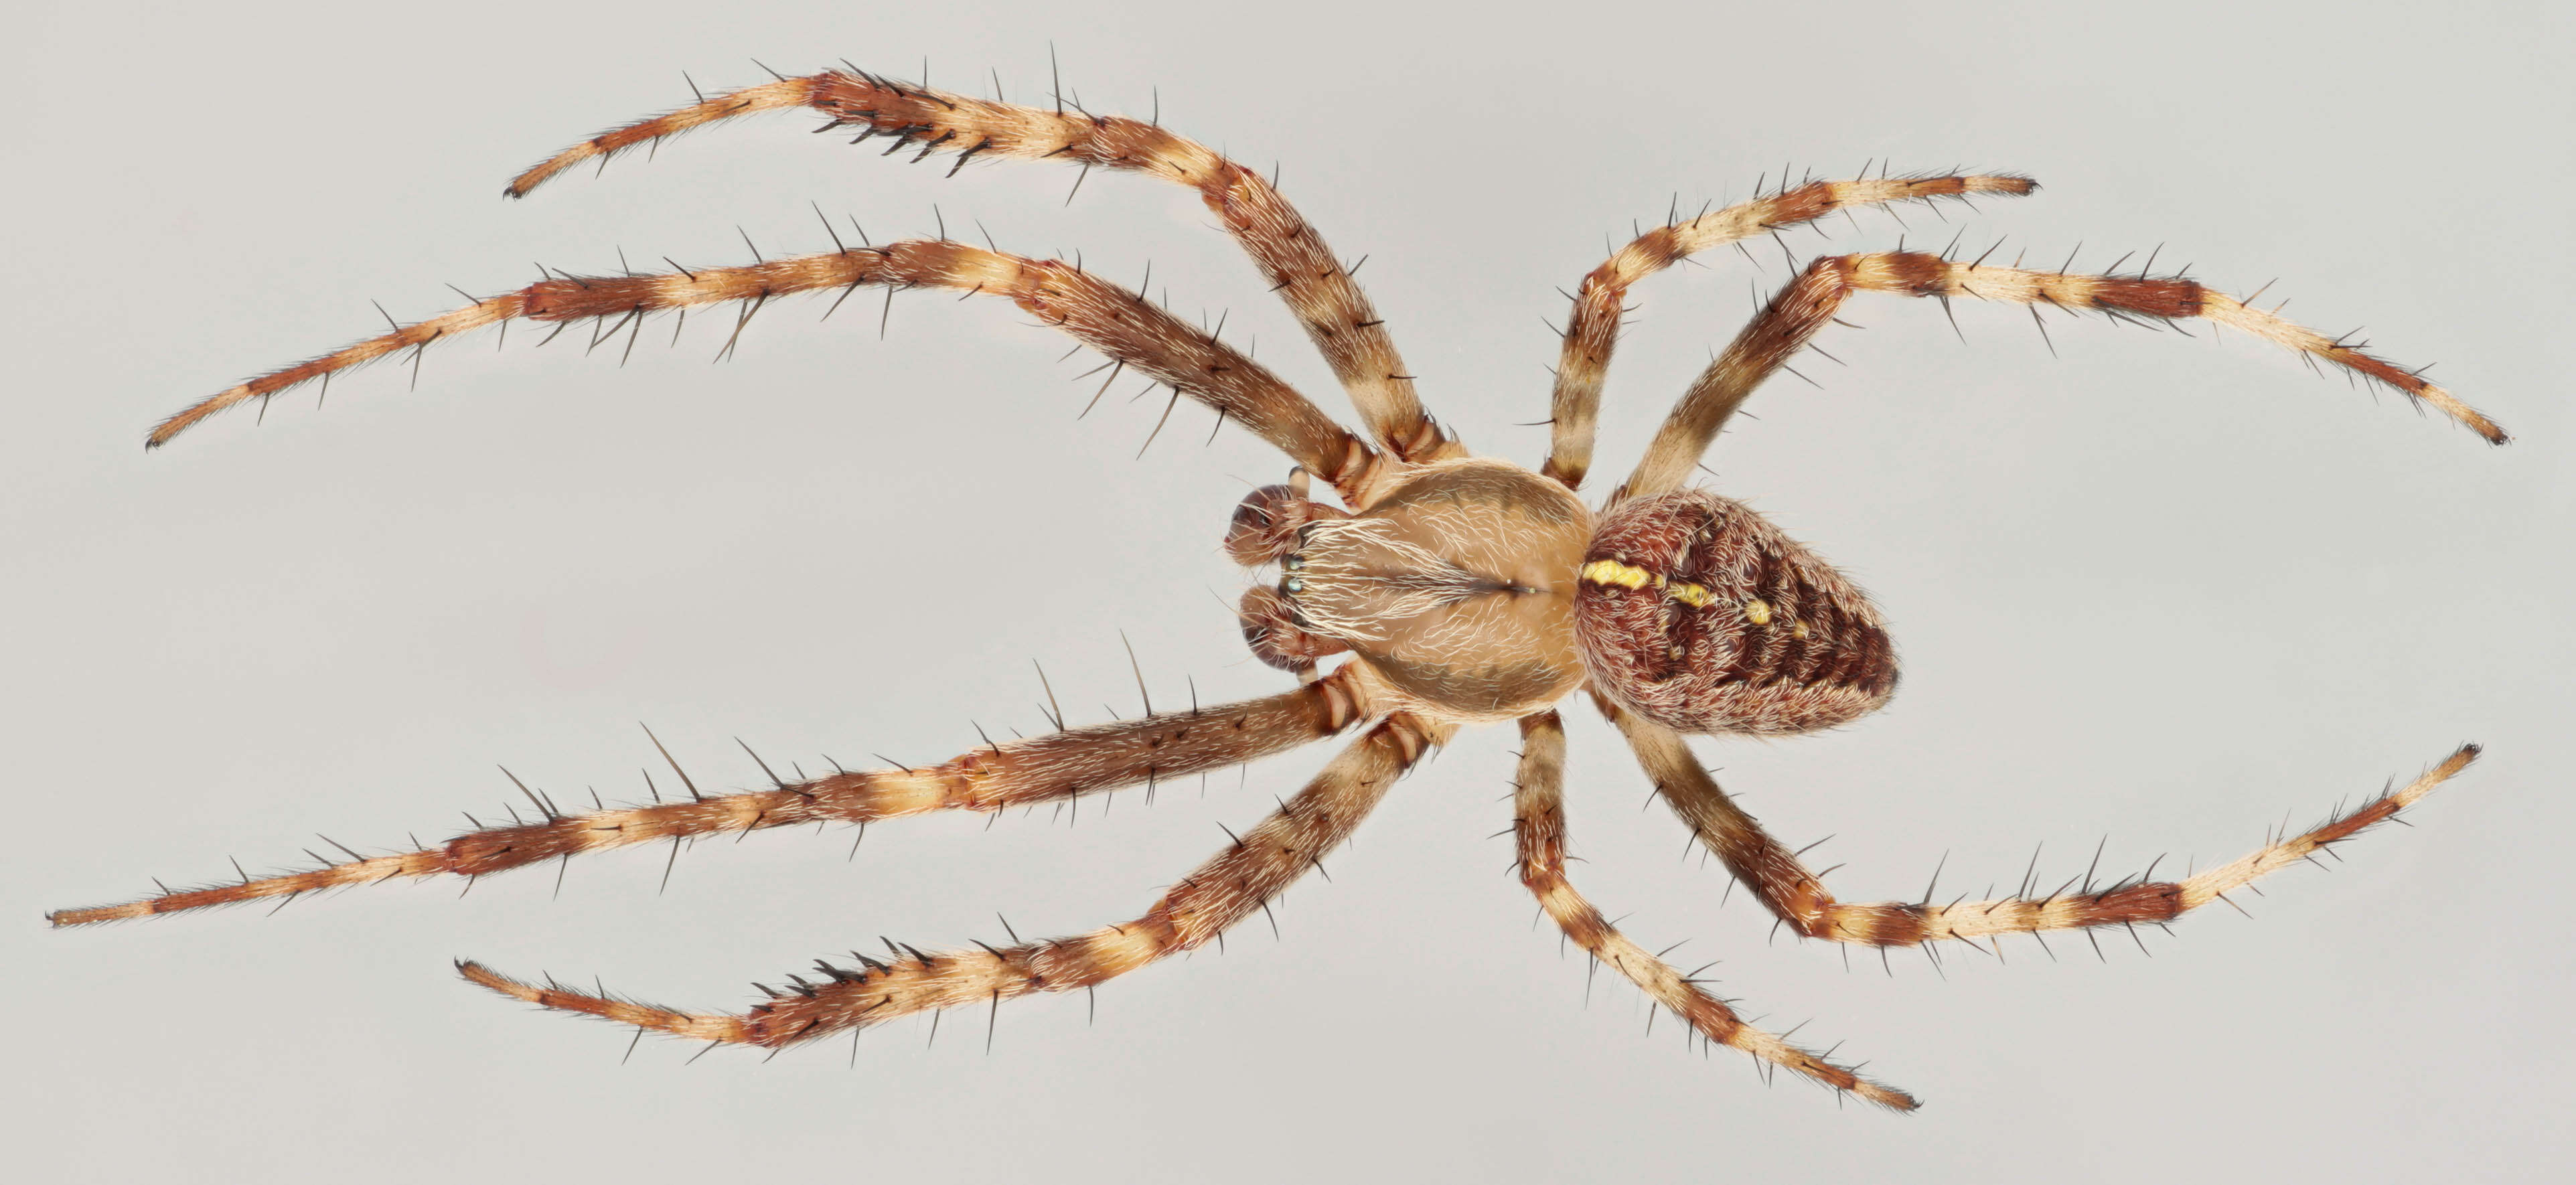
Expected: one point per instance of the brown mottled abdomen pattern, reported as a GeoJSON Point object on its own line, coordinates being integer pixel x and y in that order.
{"type": "Point", "coordinates": [1698, 614]}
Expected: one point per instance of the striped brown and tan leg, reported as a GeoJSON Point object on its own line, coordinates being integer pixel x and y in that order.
{"type": "Point", "coordinates": [1111, 319]}
{"type": "Point", "coordinates": [1538, 822]}
{"type": "Point", "coordinates": [1290, 253]}
{"type": "Point", "coordinates": [1801, 900]}
{"type": "Point", "coordinates": [1060, 765]}
{"type": "Point", "coordinates": [1792, 318]}
{"type": "Point", "coordinates": [1592, 329]}
{"type": "Point", "coordinates": [1239, 881]}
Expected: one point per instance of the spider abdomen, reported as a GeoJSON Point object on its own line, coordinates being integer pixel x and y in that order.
{"type": "Point", "coordinates": [1695, 612]}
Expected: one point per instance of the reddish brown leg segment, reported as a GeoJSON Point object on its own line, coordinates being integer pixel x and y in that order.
{"type": "Point", "coordinates": [1305, 273]}
{"type": "Point", "coordinates": [1538, 821]}
{"type": "Point", "coordinates": [1018, 773]}
{"type": "Point", "coordinates": [1102, 315]}
{"type": "Point", "coordinates": [1592, 329]}
{"type": "Point", "coordinates": [1801, 900]}
{"type": "Point", "coordinates": [1793, 317]}
{"type": "Point", "coordinates": [1224, 891]}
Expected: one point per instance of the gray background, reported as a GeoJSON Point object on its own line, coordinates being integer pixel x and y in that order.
{"type": "Point", "coordinates": [2162, 589]}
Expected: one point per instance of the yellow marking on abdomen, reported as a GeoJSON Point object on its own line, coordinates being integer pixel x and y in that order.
{"type": "Point", "coordinates": [1622, 575]}
{"type": "Point", "coordinates": [1612, 572]}
{"type": "Point", "coordinates": [1757, 611]}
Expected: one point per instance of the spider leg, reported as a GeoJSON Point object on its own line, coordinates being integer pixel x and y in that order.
{"type": "Point", "coordinates": [1102, 315]}
{"type": "Point", "coordinates": [995, 777]}
{"type": "Point", "coordinates": [1301, 269]}
{"type": "Point", "coordinates": [1802, 308]}
{"type": "Point", "coordinates": [1539, 824]}
{"type": "Point", "coordinates": [1592, 329]}
{"type": "Point", "coordinates": [1797, 897]}
{"type": "Point", "coordinates": [1227, 889]}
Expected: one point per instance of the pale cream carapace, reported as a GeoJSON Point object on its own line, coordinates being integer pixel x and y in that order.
{"type": "Point", "coordinates": [1452, 581]}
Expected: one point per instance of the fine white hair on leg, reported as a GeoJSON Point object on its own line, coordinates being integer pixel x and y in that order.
{"type": "Point", "coordinates": [1538, 822]}
{"type": "Point", "coordinates": [1592, 328]}
{"type": "Point", "coordinates": [1121, 324]}
{"type": "Point", "coordinates": [1799, 898]}
{"type": "Point", "coordinates": [994, 777]}
{"type": "Point", "coordinates": [1239, 881]}
{"type": "Point", "coordinates": [1800, 310]}
{"type": "Point", "coordinates": [1313, 281]}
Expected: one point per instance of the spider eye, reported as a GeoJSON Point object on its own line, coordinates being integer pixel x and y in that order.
{"type": "Point", "coordinates": [1293, 563]}
{"type": "Point", "coordinates": [1293, 584]}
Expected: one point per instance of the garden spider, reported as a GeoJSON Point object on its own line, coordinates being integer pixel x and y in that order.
{"type": "Point", "coordinates": [1463, 590]}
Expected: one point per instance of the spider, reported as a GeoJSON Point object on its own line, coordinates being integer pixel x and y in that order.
{"type": "Point", "coordinates": [1459, 590]}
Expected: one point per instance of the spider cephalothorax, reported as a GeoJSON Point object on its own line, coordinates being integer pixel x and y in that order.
{"type": "Point", "coordinates": [1457, 589]}
{"type": "Point", "coordinates": [1464, 590]}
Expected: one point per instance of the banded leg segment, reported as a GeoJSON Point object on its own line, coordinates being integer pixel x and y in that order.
{"type": "Point", "coordinates": [1592, 329]}
{"type": "Point", "coordinates": [1224, 891]}
{"type": "Point", "coordinates": [1793, 317]}
{"type": "Point", "coordinates": [1538, 823]}
{"type": "Point", "coordinates": [1100, 314]}
{"type": "Point", "coordinates": [1301, 269]}
{"type": "Point", "coordinates": [1017, 773]}
{"type": "Point", "coordinates": [1798, 898]}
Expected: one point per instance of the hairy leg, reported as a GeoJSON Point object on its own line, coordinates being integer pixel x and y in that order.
{"type": "Point", "coordinates": [1102, 315]}
{"type": "Point", "coordinates": [1802, 901]}
{"type": "Point", "coordinates": [1538, 822]}
{"type": "Point", "coordinates": [1792, 318]}
{"type": "Point", "coordinates": [1592, 329]}
{"type": "Point", "coordinates": [998, 776]}
{"type": "Point", "coordinates": [1300, 268]}
{"type": "Point", "coordinates": [1222, 892]}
